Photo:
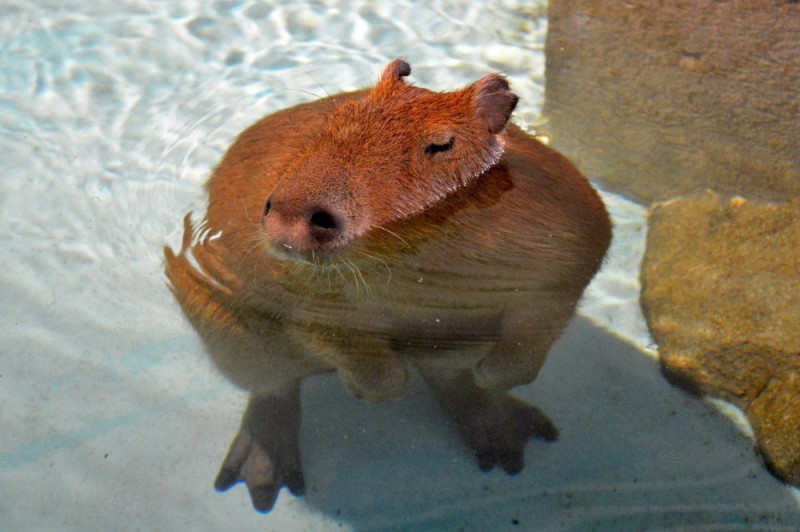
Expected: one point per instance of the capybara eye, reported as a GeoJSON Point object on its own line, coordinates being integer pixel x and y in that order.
{"type": "Point", "coordinates": [430, 149]}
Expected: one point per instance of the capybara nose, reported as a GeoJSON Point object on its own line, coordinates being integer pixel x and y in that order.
{"type": "Point", "coordinates": [301, 229]}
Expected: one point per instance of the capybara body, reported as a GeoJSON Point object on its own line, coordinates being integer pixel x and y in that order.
{"type": "Point", "coordinates": [370, 232]}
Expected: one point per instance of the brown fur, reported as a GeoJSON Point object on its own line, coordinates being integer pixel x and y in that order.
{"type": "Point", "coordinates": [393, 227]}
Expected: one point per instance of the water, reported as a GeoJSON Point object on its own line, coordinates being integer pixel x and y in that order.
{"type": "Point", "coordinates": [111, 119]}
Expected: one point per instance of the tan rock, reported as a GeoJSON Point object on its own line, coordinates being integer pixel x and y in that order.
{"type": "Point", "coordinates": [703, 94]}
{"type": "Point", "coordinates": [721, 294]}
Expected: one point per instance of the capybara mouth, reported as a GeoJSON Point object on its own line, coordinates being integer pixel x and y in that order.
{"type": "Point", "coordinates": [317, 258]}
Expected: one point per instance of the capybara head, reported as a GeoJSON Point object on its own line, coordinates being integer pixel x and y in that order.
{"type": "Point", "coordinates": [384, 158]}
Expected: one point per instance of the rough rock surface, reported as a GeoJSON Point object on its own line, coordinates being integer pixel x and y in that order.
{"type": "Point", "coordinates": [721, 294]}
{"type": "Point", "coordinates": [707, 90]}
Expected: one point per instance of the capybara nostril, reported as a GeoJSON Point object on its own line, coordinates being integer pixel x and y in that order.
{"type": "Point", "coordinates": [267, 207]}
{"type": "Point", "coordinates": [325, 226]}
{"type": "Point", "coordinates": [322, 219]}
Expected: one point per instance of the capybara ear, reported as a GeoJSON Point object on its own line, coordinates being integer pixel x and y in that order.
{"type": "Point", "coordinates": [391, 79]}
{"type": "Point", "coordinates": [494, 101]}
{"type": "Point", "coordinates": [395, 71]}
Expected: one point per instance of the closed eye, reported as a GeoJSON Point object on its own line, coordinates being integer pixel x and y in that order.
{"type": "Point", "coordinates": [430, 149]}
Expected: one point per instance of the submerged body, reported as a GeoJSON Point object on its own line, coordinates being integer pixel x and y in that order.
{"type": "Point", "coordinates": [370, 232]}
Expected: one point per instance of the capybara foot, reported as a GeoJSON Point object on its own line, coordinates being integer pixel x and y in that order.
{"type": "Point", "coordinates": [265, 453]}
{"type": "Point", "coordinates": [501, 440]}
{"type": "Point", "coordinates": [495, 425]}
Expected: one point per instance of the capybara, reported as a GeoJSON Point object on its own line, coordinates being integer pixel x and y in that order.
{"type": "Point", "coordinates": [372, 232]}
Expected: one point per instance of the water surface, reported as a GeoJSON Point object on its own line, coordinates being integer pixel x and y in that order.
{"type": "Point", "coordinates": [112, 116]}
